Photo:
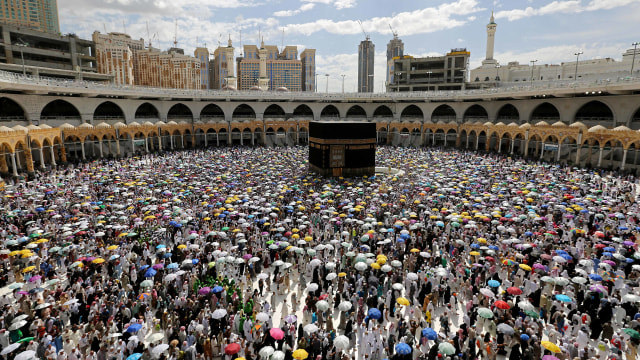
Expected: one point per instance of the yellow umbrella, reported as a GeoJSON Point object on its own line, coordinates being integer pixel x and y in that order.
{"type": "Point", "coordinates": [112, 247]}
{"type": "Point", "coordinates": [308, 238]}
{"type": "Point", "coordinates": [525, 267]}
{"type": "Point", "coordinates": [40, 241]}
{"type": "Point", "coordinates": [482, 240]}
{"type": "Point", "coordinates": [28, 269]}
{"type": "Point", "coordinates": [182, 246]}
{"type": "Point", "coordinates": [342, 274]}
{"type": "Point", "coordinates": [375, 265]}
{"type": "Point", "coordinates": [414, 250]}
{"type": "Point", "coordinates": [474, 253]}
{"type": "Point", "coordinates": [98, 261]}
{"type": "Point", "coordinates": [381, 260]}
{"type": "Point", "coordinates": [550, 346]}
{"type": "Point", "coordinates": [207, 219]}
{"type": "Point", "coordinates": [300, 354]}
{"type": "Point", "coordinates": [403, 301]}
{"type": "Point", "coordinates": [123, 234]}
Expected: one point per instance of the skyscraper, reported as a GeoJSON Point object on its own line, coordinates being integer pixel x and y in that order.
{"type": "Point", "coordinates": [202, 54]}
{"type": "Point", "coordinates": [115, 53]}
{"type": "Point", "coordinates": [395, 49]}
{"type": "Point", "coordinates": [39, 15]}
{"type": "Point", "coordinates": [223, 67]}
{"type": "Point", "coordinates": [366, 51]}
{"type": "Point", "coordinates": [308, 58]}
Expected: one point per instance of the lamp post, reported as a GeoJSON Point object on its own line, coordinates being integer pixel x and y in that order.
{"type": "Point", "coordinates": [633, 61]}
{"type": "Point", "coordinates": [24, 69]}
{"type": "Point", "coordinates": [316, 83]}
{"type": "Point", "coordinates": [575, 76]}
{"type": "Point", "coordinates": [497, 73]}
{"type": "Point", "coordinates": [327, 88]}
{"type": "Point", "coordinates": [343, 75]}
{"type": "Point", "coordinates": [533, 65]}
{"type": "Point", "coordinates": [429, 79]}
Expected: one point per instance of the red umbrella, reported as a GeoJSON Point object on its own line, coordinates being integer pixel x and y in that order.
{"type": "Point", "coordinates": [502, 305]}
{"type": "Point", "coordinates": [323, 296]}
{"type": "Point", "coordinates": [600, 246]}
{"type": "Point", "coordinates": [232, 349]}
{"type": "Point", "coordinates": [276, 333]}
{"type": "Point", "coordinates": [514, 290]}
{"type": "Point", "coordinates": [489, 258]}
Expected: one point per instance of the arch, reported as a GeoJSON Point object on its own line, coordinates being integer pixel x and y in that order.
{"type": "Point", "coordinates": [108, 110]}
{"type": "Point", "coordinates": [330, 111]}
{"type": "Point", "coordinates": [11, 110]}
{"type": "Point", "coordinates": [635, 121]}
{"type": "Point", "coordinates": [243, 111]}
{"type": "Point", "coordinates": [476, 113]}
{"type": "Point", "coordinates": [545, 111]}
{"type": "Point", "coordinates": [303, 135]}
{"type": "Point", "coordinates": [59, 109]}
{"type": "Point", "coordinates": [383, 112]}
{"type": "Point", "coordinates": [412, 112]}
{"type": "Point", "coordinates": [273, 111]}
{"type": "Point", "coordinates": [444, 113]}
{"type": "Point", "coordinates": [508, 113]}
{"type": "Point", "coordinates": [356, 111]}
{"type": "Point", "coordinates": [303, 111]}
{"type": "Point", "coordinates": [212, 112]}
{"type": "Point", "coordinates": [180, 111]}
{"type": "Point", "coordinates": [595, 113]}
{"type": "Point", "coordinates": [147, 111]}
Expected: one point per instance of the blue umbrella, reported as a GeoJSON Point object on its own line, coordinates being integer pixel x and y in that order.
{"type": "Point", "coordinates": [475, 246]}
{"type": "Point", "coordinates": [143, 267]}
{"type": "Point", "coordinates": [134, 328]}
{"type": "Point", "coordinates": [217, 289]}
{"type": "Point", "coordinates": [595, 277]}
{"type": "Point", "coordinates": [166, 255]}
{"type": "Point", "coordinates": [173, 266]}
{"type": "Point", "coordinates": [563, 298]}
{"type": "Point", "coordinates": [40, 209]}
{"type": "Point", "coordinates": [561, 252]}
{"type": "Point", "coordinates": [524, 337]}
{"type": "Point", "coordinates": [429, 333]}
{"type": "Point", "coordinates": [494, 283]}
{"type": "Point", "coordinates": [134, 356]}
{"type": "Point", "coordinates": [610, 249]}
{"type": "Point", "coordinates": [150, 273]}
{"type": "Point", "coordinates": [623, 228]}
{"type": "Point", "coordinates": [606, 253]}
{"type": "Point", "coordinates": [161, 246]}
{"type": "Point", "coordinates": [374, 313]}
{"type": "Point", "coordinates": [528, 233]}
{"type": "Point", "coordinates": [403, 349]}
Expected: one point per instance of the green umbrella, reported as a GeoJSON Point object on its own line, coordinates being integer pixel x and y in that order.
{"type": "Point", "coordinates": [631, 332]}
{"type": "Point", "coordinates": [446, 348]}
{"type": "Point", "coordinates": [27, 339]}
{"type": "Point", "coordinates": [532, 313]}
{"type": "Point", "coordinates": [485, 313]}
{"type": "Point", "coordinates": [226, 228]}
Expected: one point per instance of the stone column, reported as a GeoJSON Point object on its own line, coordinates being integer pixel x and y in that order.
{"type": "Point", "coordinates": [146, 144]}
{"type": "Point", "coordinates": [242, 138]}
{"type": "Point", "coordinates": [445, 139]}
{"type": "Point", "coordinates": [29, 160]}
{"type": "Point", "coordinates": [542, 152]}
{"type": "Point", "coordinates": [466, 143]}
{"type": "Point", "coordinates": [499, 145]}
{"type": "Point", "coordinates": [206, 142]}
{"type": "Point", "coordinates": [578, 154]}
{"type": "Point", "coordinates": [526, 148]}
{"type": "Point", "coordinates": [41, 157]}
{"type": "Point", "coordinates": [624, 158]}
{"type": "Point", "coordinates": [53, 156]}
{"type": "Point", "coordinates": [82, 146]}
{"type": "Point", "coordinates": [13, 164]}
{"type": "Point", "coordinates": [513, 145]}
{"type": "Point", "coordinates": [182, 141]}
{"type": "Point", "coordinates": [477, 141]}
{"type": "Point", "coordinates": [100, 147]}
{"type": "Point", "coordinates": [133, 145]}
{"type": "Point", "coordinates": [3, 164]}
{"type": "Point", "coordinates": [217, 139]}
{"type": "Point", "coordinates": [559, 150]}
{"type": "Point", "coordinates": [600, 156]}
{"type": "Point", "coordinates": [63, 153]}
{"type": "Point", "coordinates": [253, 138]}
{"type": "Point", "coordinates": [118, 147]}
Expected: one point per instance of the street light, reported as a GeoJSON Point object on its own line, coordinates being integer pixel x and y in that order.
{"type": "Point", "coordinates": [633, 61]}
{"type": "Point", "coordinates": [23, 45]}
{"type": "Point", "coordinates": [316, 83]}
{"type": "Point", "coordinates": [429, 79]}
{"type": "Point", "coordinates": [575, 77]}
{"type": "Point", "coordinates": [533, 64]}
{"type": "Point", "coordinates": [327, 88]}
{"type": "Point", "coordinates": [497, 72]}
{"type": "Point", "coordinates": [343, 75]}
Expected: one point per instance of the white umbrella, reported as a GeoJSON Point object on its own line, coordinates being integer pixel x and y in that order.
{"type": "Point", "coordinates": [505, 329]}
{"type": "Point", "coordinates": [266, 351]}
{"type": "Point", "coordinates": [331, 276]}
{"type": "Point", "coordinates": [360, 266]}
{"type": "Point", "coordinates": [397, 286]}
{"type": "Point", "coordinates": [277, 355]}
{"type": "Point", "coordinates": [262, 276]}
{"type": "Point", "coordinates": [310, 329]}
{"type": "Point", "coordinates": [10, 348]}
{"type": "Point", "coordinates": [160, 349]}
{"type": "Point", "coordinates": [322, 305]}
{"type": "Point", "coordinates": [526, 306]}
{"type": "Point", "coordinates": [17, 325]}
{"type": "Point", "coordinates": [219, 313]}
{"type": "Point", "coordinates": [264, 317]}
{"type": "Point", "coordinates": [341, 342]}
{"type": "Point", "coordinates": [345, 306]}
{"type": "Point", "coordinates": [631, 298]}
{"type": "Point", "coordinates": [312, 287]}
{"type": "Point", "coordinates": [115, 335]}
{"type": "Point", "coordinates": [26, 355]}
{"type": "Point", "coordinates": [43, 306]}
{"type": "Point", "coordinates": [155, 337]}
{"type": "Point", "coordinates": [278, 263]}
{"type": "Point", "coordinates": [412, 276]}
{"type": "Point", "coordinates": [20, 318]}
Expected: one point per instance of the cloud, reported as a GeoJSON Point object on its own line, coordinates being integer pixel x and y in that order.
{"type": "Point", "coordinates": [286, 13]}
{"type": "Point", "coordinates": [562, 7]}
{"type": "Point", "coordinates": [339, 4]}
{"type": "Point", "coordinates": [421, 21]}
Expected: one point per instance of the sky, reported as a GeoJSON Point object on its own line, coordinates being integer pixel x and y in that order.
{"type": "Point", "coordinates": [543, 30]}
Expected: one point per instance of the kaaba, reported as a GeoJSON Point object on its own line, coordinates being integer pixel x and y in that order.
{"type": "Point", "coordinates": [342, 148]}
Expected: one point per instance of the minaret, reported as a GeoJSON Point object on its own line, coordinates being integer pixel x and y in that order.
{"type": "Point", "coordinates": [491, 33]}
{"type": "Point", "coordinates": [263, 80]}
{"type": "Point", "coordinates": [231, 79]}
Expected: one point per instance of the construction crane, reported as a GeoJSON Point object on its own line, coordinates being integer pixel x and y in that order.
{"type": "Point", "coordinates": [395, 33]}
{"type": "Point", "coordinates": [175, 36]}
{"type": "Point", "coordinates": [366, 35]}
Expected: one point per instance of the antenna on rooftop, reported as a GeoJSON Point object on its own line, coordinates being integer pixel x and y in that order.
{"type": "Point", "coordinates": [241, 52]}
{"type": "Point", "coordinates": [282, 39]}
{"type": "Point", "coordinates": [175, 35]}
{"type": "Point", "coordinates": [105, 28]}
{"type": "Point", "coordinates": [148, 35]}
{"type": "Point", "coordinates": [124, 26]}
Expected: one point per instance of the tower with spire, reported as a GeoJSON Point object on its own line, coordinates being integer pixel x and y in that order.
{"type": "Point", "coordinates": [263, 79]}
{"type": "Point", "coordinates": [489, 61]}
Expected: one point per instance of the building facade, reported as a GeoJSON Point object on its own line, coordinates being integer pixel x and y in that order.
{"type": "Point", "coordinates": [222, 72]}
{"type": "Point", "coordinates": [395, 50]}
{"type": "Point", "coordinates": [267, 68]}
{"type": "Point", "coordinates": [167, 70]}
{"type": "Point", "coordinates": [115, 54]}
{"type": "Point", "coordinates": [202, 54]}
{"type": "Point", "coordinates": [366, 53]}
{"type": "Point", "coordinates": [41, 15]}
{"type": "Point", "coordinates": [446, 72]}
{"type": "Point", "coordinates": [308, 59]}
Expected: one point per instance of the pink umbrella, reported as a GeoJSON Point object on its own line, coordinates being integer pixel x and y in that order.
{"type": "Point", "coordinates": [158, 266]}
{"type": "Point", "coordinates": [35, 278]}
{"type": "Point", "coordinates": [276, 333]}
{"type": "Point", "coordinates": [204, 291]}
{"type": "Point", "coordinates": [546, 256]}
{"type": "Point", "coordinates": [549, 357]}
{"type": "Point", "coordinates": [539, 266]}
